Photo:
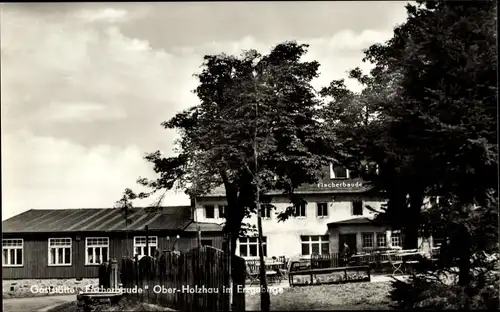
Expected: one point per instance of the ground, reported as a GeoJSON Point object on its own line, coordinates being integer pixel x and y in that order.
{"type": "Point", "coordinates": [34, 303]}
{"type": "Point", "coordinates": [350, 296]}
{"type": "Point", "coordinates": [72, 307]}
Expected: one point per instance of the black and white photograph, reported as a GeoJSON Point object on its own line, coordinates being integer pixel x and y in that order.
{"type": "Point", "coordinates": [249, 156]}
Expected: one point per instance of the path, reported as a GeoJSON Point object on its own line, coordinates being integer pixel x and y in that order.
{"type": "Point", "coordinates": [34, 304]}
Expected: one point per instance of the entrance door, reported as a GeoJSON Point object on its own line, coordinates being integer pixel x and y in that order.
{"type": "Point", "coordinates": [350, 239]}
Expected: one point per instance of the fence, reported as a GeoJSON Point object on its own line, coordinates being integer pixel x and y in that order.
{"type": "Point", "coordinates": [376, 261]}
{"type": "Point", "coordinates": [331, 260]}
{"type": "Point", "coordinates": [193, 281]}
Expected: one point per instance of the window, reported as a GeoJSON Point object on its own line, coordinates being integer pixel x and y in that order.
{"type": "Point", "coordinates": [209, 212]}
{"type": "Point", "coordinates": [97, 250]}
{"type": "Point", "coordinates": [381, 240]}
{"type": "Point", "coordinates": [357, 208]}
{"type": "Point", "coordinates": [338, 172]}
{"type": "Point", "coordinates": [206, 242]}
{"type": "Point", "coordinates": [265, 211]}
{"type": "Point", "coordinates": [316, 244]}
{"type": "Point", "coordinates": [322, 210]}
{"type": "Point", "coordinates": [368, 240]}
{"type": "Point", "coordinates": [222, 211]}
{"type": "Point", "coordinates": [12, 252]}
{"type": "Point", "coordinates": [300, 210]}
{"type": "Point", "coordinates": [59, 251]}
{"type": "Point", "coordinates": [140, 246]}
{"type": "Point", "coordinates": [372, 169]}
{"type": "Point", "coordinates": [396, 239]}
{"type": "Point", "coordinates": [249, 246]}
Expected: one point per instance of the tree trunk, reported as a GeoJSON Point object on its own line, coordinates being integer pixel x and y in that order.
{"type": "Point", "coordinates": [234, 216]}
{"type": "Point", "coordinates": [464, 256]}
{"type": "Point", "coordinates": [412, 224]}
{"type": "Point", "coordinates": [265, 300]}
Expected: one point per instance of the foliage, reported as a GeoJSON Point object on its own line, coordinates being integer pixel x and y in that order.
{"type": "Point", "coordinates": [439, 285]}
{"type": "Point", "coordinates": [256, 128]}
{"type": "Point", "coordinates": [427, 117]}
{"type": "Point", "coordinates": [217, 136]}
{"type": "Point", "coordinates": [427, 114]}
{"type": "Point", "coordinates": [420, 292]}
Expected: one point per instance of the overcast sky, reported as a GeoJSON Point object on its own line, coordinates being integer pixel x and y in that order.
{"type": "Point", "coordinates": [84, 87]}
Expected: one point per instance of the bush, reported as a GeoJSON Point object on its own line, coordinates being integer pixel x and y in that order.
{"type": "Point", "coordinates": [420, 292]}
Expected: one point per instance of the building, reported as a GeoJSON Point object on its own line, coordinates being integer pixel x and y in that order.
{"type": "Point", "coordinates": [335, 213]}
{"type": "Point", "coordinates": [71, 243]}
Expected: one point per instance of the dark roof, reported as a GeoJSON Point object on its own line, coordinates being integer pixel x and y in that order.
{"type": "Point", "coordinates": [204, 227]}
{"type": "Point", "coordinates": [90, 220]}
{"type": "Point", "coordinates": [355, 221]}
{"type": "Point", "coordinates": [325, 185]}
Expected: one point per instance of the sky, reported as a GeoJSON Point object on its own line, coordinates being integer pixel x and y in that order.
{"type": "Point", "coordinates": [85, 86]}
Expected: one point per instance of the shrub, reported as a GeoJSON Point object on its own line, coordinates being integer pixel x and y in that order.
{"type": "Point", "coordinates": [421, 292]}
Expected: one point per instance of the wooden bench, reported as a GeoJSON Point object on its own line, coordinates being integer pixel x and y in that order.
{"type": "Point", "coordinates": [320, 276]}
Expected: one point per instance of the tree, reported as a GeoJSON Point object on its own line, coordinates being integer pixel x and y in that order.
{"type": "Point", "coordinates": [224, 142]}
{"type": "Point", "coordinates": [125, 206]}
{"type": "Point", "coordinates": [432, 95]}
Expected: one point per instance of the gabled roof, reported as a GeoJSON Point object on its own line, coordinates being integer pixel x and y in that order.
{"type": "Point", "coordinates": [92, 220]}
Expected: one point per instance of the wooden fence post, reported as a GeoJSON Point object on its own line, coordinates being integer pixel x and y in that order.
{"type": "Point", "coordinates": [114, 274]}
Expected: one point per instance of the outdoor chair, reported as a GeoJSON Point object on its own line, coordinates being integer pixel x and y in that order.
{"type": "Point", "coordinates": [283, 271]}
{"type": "Point", "coordinates": [252, 272]}
{"type": "Point", "coordinates": [395, 262]}
{"type": "Point", "coordinates": [410, 263]}
{"type": "Point", "coordinates": [273, 275]}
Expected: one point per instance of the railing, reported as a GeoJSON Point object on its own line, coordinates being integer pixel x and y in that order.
{"type": "Point", "coordinates": [331, 260]}
{"type": "Point", "coordinates": [383, 259]}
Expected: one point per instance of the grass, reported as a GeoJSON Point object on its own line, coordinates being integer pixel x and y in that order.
{"type": "Point", "coordinates": [65, 307]}
{"type": "Point", "coordinates": [350, 296]}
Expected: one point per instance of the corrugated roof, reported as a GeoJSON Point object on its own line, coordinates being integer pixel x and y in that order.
{"type": "Point", "coordinates": [325, 185]}
{"type": "Point", "coordinates": [90, 220]}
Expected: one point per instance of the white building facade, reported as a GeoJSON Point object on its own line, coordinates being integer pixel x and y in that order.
{"type": "Point", "coordinates": [336, 198]}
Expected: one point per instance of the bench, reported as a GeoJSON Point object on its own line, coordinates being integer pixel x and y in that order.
{"type": "Point", "coordinates": [329, 276]}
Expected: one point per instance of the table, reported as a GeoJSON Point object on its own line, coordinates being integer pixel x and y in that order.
{"type": "Point", "coordinates": [271, 264]}
{"type": "Point", "coordinates": [273, 268]}
{"type": "Point", "coordinates": [361, 256]}
{"type": "Point", "coordinates": [400, 265]}
{"type": "Point", "coordinates": [397, 265]}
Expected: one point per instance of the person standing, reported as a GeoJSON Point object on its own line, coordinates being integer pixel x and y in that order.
{"type": "Point", "coordinates": [346, 254]}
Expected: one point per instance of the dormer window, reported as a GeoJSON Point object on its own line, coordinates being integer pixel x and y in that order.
{"type": "Point", "coordinates": [372, 169]}
{"type": "Point", "coordinates": [209, 211]}
{"type": "Point", "coordinates": [338, 172]}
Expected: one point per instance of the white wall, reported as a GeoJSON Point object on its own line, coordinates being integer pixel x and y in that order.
{"type": "Point", "coordinates": [283, 238]}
